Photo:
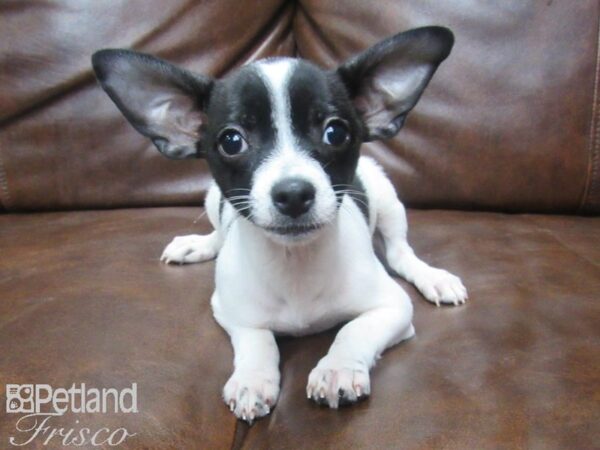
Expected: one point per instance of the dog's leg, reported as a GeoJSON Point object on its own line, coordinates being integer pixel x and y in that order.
{"type": "Point", "coordinates": [437, 285]}
{"type": "Point", "coordinates": [342, 376]}
{"type": "Point", "coordinates": [196, 248]}
{"type": "Point", "coordinates": [253, 388]}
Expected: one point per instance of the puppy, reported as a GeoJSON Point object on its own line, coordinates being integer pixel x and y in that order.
{"type": "Point", "coordinates": [294, 207]}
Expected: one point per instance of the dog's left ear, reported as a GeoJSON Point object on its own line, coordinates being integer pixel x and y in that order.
{"type": "Point", "coordinates": [386, 81]}
{"type": "Point", "coordinates": [161, 101]}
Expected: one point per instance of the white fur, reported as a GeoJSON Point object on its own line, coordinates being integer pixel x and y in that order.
{"type": "Point", "coordinates": [263, 287]}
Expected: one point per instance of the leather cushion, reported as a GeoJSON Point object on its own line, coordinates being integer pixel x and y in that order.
{"type": "Point", "coordinates": [509, 122]}
{"type": "Point", "coordinates": [63, 143]}
{"type": "Point", "coordinates": [85, 300]}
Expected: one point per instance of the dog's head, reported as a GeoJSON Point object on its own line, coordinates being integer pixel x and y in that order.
{"type": "Point", "coordinates": [281, 136]}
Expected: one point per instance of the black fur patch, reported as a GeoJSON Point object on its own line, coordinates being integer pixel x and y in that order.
{"type": "Point", "coordinates": [316, 97]}
{"type": "Point", "coordinates": [240, 100]}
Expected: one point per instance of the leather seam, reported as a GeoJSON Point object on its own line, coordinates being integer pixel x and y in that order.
{"type": "Point", "coordinates": [557, 239]}
{"type": "Point", "coordinates": [243, 54]}
{"type": "Point", "coordinates": [591, 196]}
{"type": "Point", "coordinates": [324, 42]}
{"type": "Point", "coordinates": [4, 191]}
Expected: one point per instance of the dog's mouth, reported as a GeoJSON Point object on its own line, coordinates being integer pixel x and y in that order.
{"type": "Point", "coordinates": [298, 230]}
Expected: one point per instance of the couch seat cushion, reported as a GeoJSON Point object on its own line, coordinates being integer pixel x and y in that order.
{"type": "Point", "coordinates": [84, 299]}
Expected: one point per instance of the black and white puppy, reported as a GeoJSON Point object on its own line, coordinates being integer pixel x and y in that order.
{"type": "Point", "coordinates": [294, 207]}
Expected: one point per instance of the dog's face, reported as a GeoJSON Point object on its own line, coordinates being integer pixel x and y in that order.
{"type": "Point", "coordinates": [282, 142]}
{"type": "Point", "coordinates": [281, 136]}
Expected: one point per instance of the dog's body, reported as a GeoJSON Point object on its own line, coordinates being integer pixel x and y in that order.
{"type": "Point", "coordinates": [292, 290]}
{"type": "Point", "coordinates": [294, 207]}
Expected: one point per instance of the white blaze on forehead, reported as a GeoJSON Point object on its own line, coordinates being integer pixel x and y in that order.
{"type": "Point", "coordinates": [286, 159]}
{"type": "Point", "coordinates": [276, 74]}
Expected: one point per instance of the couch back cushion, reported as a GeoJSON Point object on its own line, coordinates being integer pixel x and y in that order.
{"type": "Point", "coordinates": [63, 143]}
{"type": "Point", "coordinates": [509, 122]}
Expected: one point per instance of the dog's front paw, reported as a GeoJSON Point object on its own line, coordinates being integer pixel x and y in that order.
{"type": "Point", "coordinates": [190, 249]}
{"type": "Point", "coordinates": [440, 286]}
{"type": "Point", "coordinates": [338, 383]}
{"type": "Point", "coordinates": [251, 395]}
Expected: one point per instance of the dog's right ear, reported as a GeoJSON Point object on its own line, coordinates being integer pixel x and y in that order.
{"type": "Point", "coordinates": [163, 102]}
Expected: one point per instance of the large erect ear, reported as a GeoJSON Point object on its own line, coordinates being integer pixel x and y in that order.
{"type": "Point", "coordinates": [386, 81]}
{"type": "Point", "coordinates": [161, 101]}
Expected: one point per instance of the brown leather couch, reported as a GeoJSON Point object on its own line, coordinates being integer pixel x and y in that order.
{"type": "Point", "coordinates": [499, 163]}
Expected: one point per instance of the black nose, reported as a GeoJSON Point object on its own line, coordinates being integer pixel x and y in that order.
{"type": "Point", "coordinates": [293, 196]}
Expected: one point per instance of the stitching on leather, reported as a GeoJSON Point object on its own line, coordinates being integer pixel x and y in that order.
{"type": "Point", "coordinates": [534, 221]}
{"type": "Point", "coordinates": [260, 38]}
{"type": "Point", "coordinates": [4, 192]}
{"type": "Point", "coordinates": [591, 197]}
{"type": "Point", "coordinates": [325, 43]}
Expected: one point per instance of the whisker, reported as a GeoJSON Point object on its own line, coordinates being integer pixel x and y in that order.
{"type": "Point", "coordinates": [200, 216]}
{"type": "Point", "coordinates": [358, 200]}
{"type": "Point", "coordinates": [354, 191]}
{"type": "Point", "coordinates": [244, 208]}
{"type": "Point", "coordinates": [327, 164]}
{"type": "Point", "coordinates": [344, 185]}
{"type": "Point", "coordinates": [239, 200]}
{"type": "Point", "coordinates": [237, 196]}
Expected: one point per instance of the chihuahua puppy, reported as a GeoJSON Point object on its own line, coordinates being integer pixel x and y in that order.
{"type": "Point", "coordinates": [294, 207]}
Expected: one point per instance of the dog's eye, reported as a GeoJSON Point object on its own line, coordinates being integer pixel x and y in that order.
{"type": "Point", "coordinates": [336, 133]}
{"type": "Point", "coordinates": [232, 143]}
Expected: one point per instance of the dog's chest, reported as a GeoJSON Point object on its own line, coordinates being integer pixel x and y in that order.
{"type": "Point", "coordinates": [295, 290]}
{"type": "Point", "coordinates": [305, 295]}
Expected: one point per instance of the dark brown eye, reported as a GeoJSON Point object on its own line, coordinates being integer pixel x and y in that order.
{"type": "Point", "coordinates": [232, 143]}
{"type": "Point", "coordinates": [335, 133]}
